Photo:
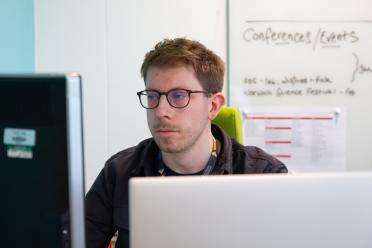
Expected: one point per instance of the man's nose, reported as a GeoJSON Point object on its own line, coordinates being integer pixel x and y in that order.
{"type": "Point", "coordinates": [164, 107]}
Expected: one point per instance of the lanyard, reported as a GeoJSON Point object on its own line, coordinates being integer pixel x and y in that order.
{"type": "Point", "coordinates": [208, 168]}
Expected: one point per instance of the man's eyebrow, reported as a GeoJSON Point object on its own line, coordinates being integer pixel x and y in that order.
{"type": "Point", "coordinates": [176, 88]}
{"type": "Point", "coordinates": [151, 89]}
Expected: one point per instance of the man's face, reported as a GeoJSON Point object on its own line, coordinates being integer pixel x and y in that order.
{"type": "Point", "coordinates": [177, 129]}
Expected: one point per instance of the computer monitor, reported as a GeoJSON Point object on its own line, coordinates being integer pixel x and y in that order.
{"type": "Point", "coordinates": [266, 211]}
{"type": "Point", "coordinates": [41, 161]}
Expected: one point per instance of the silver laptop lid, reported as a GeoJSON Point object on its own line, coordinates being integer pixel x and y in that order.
{"type": "Point", "coordinates": [310, 210]}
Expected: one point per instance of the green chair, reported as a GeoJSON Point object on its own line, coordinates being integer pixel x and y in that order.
{"type": "Point", "coordinates": [230, 120]}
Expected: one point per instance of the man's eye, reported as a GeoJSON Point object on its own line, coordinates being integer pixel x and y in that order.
{"type": "Point", "coordinates": [179, 95]}
{"type": "Point", "coordinates": [152, 97]}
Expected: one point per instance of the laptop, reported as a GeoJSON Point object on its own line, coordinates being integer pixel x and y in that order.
{"type": "Point", "coordinates": [261, 211]}
{"type": "Point", "coordinates": [41, 161]}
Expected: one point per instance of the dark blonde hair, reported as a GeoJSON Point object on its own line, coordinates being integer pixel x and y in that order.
{"type": "Point", "coordinates": [209, 67]}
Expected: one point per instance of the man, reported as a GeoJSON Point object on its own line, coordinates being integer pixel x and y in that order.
{"type": "Point", "coordinates": [183, 81]}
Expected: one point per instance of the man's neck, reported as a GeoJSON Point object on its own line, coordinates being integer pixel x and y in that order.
{"type": "Point", "coordinates": [192, 160]}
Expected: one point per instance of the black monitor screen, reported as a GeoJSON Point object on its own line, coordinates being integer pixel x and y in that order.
{"type": "Point", "coordinates": [33, 161]}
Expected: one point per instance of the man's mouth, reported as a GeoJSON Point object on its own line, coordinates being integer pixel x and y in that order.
{"type": "Point", "coordinates": [165, 130]}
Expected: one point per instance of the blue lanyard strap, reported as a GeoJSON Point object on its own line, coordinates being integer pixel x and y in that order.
{"type": "Point", "coordinates": [208, 168]}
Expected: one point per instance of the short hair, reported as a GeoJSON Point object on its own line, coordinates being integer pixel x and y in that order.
{"type": "Point", "coordinates": [209, 67]}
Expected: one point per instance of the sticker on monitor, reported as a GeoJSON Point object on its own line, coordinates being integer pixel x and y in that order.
{"type": "Point", "coordinates": [19, 142]}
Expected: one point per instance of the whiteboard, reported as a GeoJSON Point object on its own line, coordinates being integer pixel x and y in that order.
{"type": "Point", "coordinates": [305, 54]}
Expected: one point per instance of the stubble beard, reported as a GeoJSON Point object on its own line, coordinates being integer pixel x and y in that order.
{"type": "Point", "coordinates": [172, 144]}
{"type": "Point", "coordinates": [181, 143]}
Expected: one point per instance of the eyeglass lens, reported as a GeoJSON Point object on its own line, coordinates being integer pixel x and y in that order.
{"type": "Point", "coordinates": [176, 98]}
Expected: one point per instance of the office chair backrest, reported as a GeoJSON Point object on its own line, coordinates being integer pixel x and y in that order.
{"type": "Point", "coordinates": [230, 120]}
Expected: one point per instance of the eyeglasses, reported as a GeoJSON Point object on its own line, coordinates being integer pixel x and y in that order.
{"type": "Point", "coordinates": [177, 98]}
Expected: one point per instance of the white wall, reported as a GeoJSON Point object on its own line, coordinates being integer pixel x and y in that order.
{"type": "Point", "coordinates": [106, 41]}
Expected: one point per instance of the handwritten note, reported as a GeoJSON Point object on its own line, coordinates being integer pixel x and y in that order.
{"type": "Point", "coordinates": [301, 59]}
{"type": "Point", "coordinates": [321, 38]}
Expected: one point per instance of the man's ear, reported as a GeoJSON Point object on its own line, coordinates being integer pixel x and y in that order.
{"type": "Point", "coordinates": [216, 102]}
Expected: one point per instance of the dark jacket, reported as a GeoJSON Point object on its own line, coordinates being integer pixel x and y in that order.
{"type": "Point", "coordinates": [107, 200]}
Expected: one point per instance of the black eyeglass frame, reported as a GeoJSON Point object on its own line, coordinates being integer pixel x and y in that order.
{"type": "Point", "coordinates": [189, 92]}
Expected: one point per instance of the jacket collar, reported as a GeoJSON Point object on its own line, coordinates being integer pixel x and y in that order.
{"type": "Point", "coordinates": [224, 161]}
